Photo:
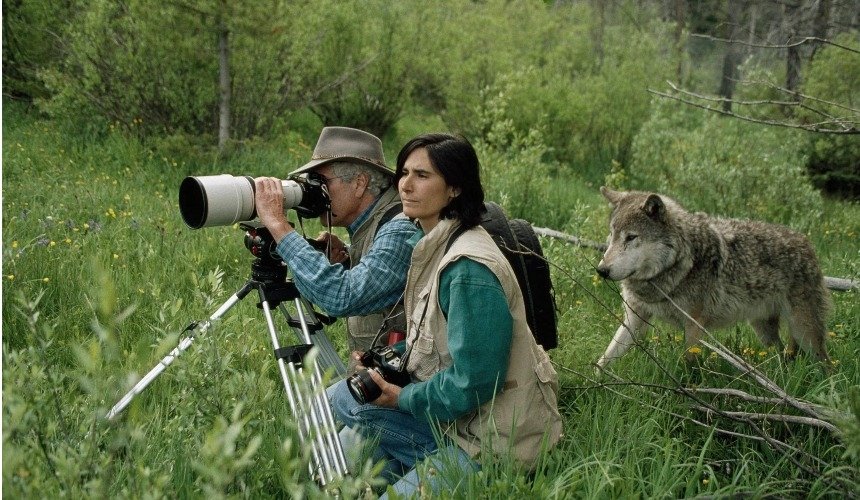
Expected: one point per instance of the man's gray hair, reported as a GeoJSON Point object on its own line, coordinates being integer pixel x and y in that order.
{"type": "Point", "coordinates": [377, 183]}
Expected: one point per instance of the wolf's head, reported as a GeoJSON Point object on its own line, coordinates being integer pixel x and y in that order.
{"type": "Point", "coordinates": [642, 239]}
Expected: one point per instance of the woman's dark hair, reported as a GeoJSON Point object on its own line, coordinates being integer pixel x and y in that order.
{"type": "Point", "coordinates": [454, 158]}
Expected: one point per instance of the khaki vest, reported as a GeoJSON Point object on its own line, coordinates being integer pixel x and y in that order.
{"type": "Point", "coordinates": [361, 330]}
{"type": "Point", "coordinates": [522, 418]}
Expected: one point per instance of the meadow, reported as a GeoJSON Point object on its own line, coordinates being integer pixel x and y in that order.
{"type": "Point", "coordinates": [100, 276]}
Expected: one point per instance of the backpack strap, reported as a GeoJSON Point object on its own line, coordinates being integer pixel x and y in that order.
{"type": "Point", "coordinates": [389, 214]}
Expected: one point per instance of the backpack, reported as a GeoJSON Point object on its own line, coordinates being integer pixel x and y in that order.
{"type": "Point", "coordinates": [520, 245]}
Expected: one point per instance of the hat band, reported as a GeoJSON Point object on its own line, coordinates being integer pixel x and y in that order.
{"type": "Point", "coordinates": [334, 157]}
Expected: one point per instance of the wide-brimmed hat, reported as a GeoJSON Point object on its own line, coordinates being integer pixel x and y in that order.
{"type": "Point", "coordinates": [347, 144]}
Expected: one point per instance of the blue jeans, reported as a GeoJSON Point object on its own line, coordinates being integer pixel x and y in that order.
{"type": "Point", "coordinates": [401, 442]}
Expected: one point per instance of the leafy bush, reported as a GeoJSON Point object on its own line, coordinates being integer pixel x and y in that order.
{"type": "Point", "coordinates": [588, 110]}
{"type": "Point", "coordinates": [734, 168]}
{"type": "Point", "coordinates": [512, 168]}
{"type": "Point", "coordinates": [834, 160]}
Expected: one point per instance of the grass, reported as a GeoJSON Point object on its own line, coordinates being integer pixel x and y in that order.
{"type": "Point", "coordinates": [100, 276]}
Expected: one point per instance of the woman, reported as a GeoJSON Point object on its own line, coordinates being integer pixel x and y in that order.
{"type": "Point", "coordinates": [478, 378]}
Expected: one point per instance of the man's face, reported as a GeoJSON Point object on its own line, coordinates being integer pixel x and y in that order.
{"type": "Point", "coordinates": [346, 197]}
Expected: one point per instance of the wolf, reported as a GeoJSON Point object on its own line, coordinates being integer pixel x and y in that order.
{"type": "Point", "coordinates": [719, 271]}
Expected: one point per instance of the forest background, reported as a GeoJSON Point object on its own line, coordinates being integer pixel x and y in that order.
{"type": "Point", "coordinates": [737, 108]}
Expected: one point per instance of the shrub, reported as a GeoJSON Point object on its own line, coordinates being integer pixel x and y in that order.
{"type": "Point", "coordinates": [725, 166]}
{"type": "Point", "coordinates": [834, 160]}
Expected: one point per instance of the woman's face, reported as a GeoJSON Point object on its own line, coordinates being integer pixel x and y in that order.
{"type": "Point", "coordinates": [423, 190]}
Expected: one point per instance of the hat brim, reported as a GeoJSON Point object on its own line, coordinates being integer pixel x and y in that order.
{"type": "Point", "coordinates": [307, 167]}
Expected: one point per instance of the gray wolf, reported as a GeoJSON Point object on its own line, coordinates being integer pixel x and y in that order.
{"type": "Point", "coordinates": [720, 271]}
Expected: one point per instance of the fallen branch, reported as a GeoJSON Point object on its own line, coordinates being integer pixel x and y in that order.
{"type": "Point", "coordinates": [768, 417]}
{"type": "Point", "coordinates": [552, 233]}
{"type": "Point", "coordinates": [754, 399]}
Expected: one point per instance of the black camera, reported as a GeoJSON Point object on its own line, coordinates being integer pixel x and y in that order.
{"type": "Point", "coordinates": [388, 363]}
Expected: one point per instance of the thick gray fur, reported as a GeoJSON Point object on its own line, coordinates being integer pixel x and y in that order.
{"type": "Point", "coordinates": [720, 271]}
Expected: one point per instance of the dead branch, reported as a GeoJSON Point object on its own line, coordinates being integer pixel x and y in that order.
{"type": "Point", "coordinates": [770, 417]}
{"type": "Point", "coordinates": [825, 127]}
{"type": "Point", "coordinates": [802, 41]}
{"type": "Point", "coordinates": [742, 365]}
{"type": "Point", "coordinates": [749, 397]}
{"type": "Point", "coordinates": [552, 233]}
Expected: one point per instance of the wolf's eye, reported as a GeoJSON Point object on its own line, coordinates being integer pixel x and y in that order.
{"type": "Point", "coordinates": [629, 238]}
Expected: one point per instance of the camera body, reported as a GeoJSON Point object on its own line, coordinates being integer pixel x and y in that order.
{"type": "Point", "coordinates": [388, 363]}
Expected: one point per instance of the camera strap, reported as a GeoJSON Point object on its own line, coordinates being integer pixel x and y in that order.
{"type": "Point", "coordinates": [384, 325]}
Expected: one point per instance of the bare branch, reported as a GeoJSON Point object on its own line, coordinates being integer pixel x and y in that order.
{"type": "Point", "coordinates": [768, 417]}
{"type": "Point", "coordinates": [846, 127]}
{"type": "Point", "coordinates": [804, 40]}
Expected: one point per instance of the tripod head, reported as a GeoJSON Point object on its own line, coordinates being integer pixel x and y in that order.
{"type": "Point", "coordinates": [268, 267]}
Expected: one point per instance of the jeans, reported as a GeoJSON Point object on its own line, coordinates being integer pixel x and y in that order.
{"type": "Point", "coordinates": [401, 442]}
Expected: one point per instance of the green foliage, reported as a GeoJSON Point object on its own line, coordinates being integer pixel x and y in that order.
{"type": "Point", "coordinates": [737, 169]}
{"type": "Point", "coordinates": [588, 110]}
{"type": "Point", "coordinates": [512, 168]}
{"type": "Point", "coordinates": [834, 160]}
{"type": "Point", "coordinates": [136, 68]}
{"type": "Point", "coordinates": [100, 276]}
{"type": "Point", "coordinates": [32, 31]}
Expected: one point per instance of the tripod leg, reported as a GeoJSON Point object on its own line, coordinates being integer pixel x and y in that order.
{"type": "Point", "coordinates": [316, 423]}
{"type": "Point", "coordinates": [184, 344]}
{"type": "Point", "coordinates": [327, 353]}
{"type": "Point", "coordinates": [320, 397]}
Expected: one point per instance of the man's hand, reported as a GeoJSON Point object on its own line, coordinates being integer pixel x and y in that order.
{"type": "Point", "coordinates": [269, 202]}
{"type": "Point", "coordinates": [337, 249]}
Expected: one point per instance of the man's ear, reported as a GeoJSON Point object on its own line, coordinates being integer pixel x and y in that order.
{"type": "Point", "coordinates": [362, 181]}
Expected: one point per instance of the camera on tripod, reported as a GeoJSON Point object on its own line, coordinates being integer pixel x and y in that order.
{"type": "Point", "coordinates": [385, 361]}
{"type": "Point", "coordinates": [223, 200]}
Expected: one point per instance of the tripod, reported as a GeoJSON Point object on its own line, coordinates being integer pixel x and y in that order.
{"type": "Point", "coordinates": [306, 394]}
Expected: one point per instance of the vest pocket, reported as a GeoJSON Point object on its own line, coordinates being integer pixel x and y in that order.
{"type": "Point", "coordinates": [423, 359]}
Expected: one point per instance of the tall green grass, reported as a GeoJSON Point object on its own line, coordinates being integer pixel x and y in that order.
{"type": "Point", "coordinates": [100, 276]}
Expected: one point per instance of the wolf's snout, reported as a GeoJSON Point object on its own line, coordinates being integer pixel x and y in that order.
{"type": "Point", "coordinates": [603, 271]}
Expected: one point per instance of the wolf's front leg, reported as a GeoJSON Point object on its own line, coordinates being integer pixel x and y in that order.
{"type": "Point", "coordinates": [635, 325]}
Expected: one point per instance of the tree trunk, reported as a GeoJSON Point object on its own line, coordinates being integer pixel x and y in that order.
{"type": "Point", "coordinates": [820, 25]}
{"type": "Point", "coordinates": [731, 59]}
{"type": "Point", "coordinates": [223, 85]}
{"type": "Point", "coordinates": [792, 55]}
{"type": "Point", "coordinates": [599, 9]}
{"type": "Point", "coordinates": [679, 13]}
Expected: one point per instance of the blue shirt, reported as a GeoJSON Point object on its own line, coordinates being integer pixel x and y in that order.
{"type": "Point", "coordinates": [480, 334]}
{"type": "Point", "coordinates": [371, 285]}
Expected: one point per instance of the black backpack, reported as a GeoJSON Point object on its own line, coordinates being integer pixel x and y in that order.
{"type": "Point", "coordinates": [520, 245]}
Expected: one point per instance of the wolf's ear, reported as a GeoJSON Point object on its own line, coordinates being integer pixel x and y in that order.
{"type": "Point", "coordinates": [612, 196]}
{"type": "Point", "coordinates": [654, 207]}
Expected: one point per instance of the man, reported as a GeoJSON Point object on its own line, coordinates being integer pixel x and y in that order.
{"type": "Point", "coordinates": [364, 201]}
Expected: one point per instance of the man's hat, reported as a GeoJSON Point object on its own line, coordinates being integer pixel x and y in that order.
{"type": "Point", "coordinates": [347, 144]}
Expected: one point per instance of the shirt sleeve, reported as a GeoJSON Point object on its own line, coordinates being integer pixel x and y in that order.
{"type": "Point", "coordinates": [480, 331]}
{"type": "Point", "coordinates": [371, 285]}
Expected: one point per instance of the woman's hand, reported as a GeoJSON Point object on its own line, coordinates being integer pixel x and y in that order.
{"type": "Point", "coordinates": [269, 202]}
{"type": "Point", "coordinates": [390, 392]}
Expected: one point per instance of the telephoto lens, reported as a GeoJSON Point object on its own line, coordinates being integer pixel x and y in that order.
{"type": "Point", "coordinates": [223, 200]}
